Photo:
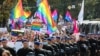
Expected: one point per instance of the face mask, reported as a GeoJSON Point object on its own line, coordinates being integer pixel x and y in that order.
{"type": "Point", "coordinates": [45, 43]}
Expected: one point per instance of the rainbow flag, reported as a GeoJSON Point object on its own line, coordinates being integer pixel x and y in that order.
{"type": "Point", "coordinates": [55, 15]}
{"type": "Point", "coordinates": [44, 10]}
{"type": "Point", "coordinates": [27, 13]}
{"type": "Point", "coordinates": [68, 16]}
{"type": "Point", "coordinates": [36, 26]}
{"type": "Point", "coordinates": [18, 12]}
{"type": "Point", "coordinates": [25, 16]}
{"type": "Point", "coordinates": [39, 15]}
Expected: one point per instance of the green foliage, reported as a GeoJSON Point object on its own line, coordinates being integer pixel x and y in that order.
{"type": "Point", "coordinates": [92, 7]}
{"type": "Point", "coordinates": [92, 10]}
{"type": "Point", "coordinates": [6, 6]}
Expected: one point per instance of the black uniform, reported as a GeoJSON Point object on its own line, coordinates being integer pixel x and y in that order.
{"type": "Point", "coordinates": [55, 49]}
{"type": "Point", "coordinates": [58, 48]}
{"type": "Point", "coordinates": [68, 46]}
{"type": "Point", "coordinates": [98, 47]}
{"type": "Point", "coordinates": [83, 47]}
{"type": "Point", "coordinates": [62, 49]}
{"type": "Point", "coordinates": [23, 51]}
{"type": "Point", "coordinates": [47, 52]}
{"type": "Point", "coordinates": [67, 49]}
{"type": "Point", "coordinates": [93, 47]}
{"type": "Point", "coordinates": [1, 50]}
{"type": "Point", "coordinates": [38, 52]}
{"type": "Point", "coordinates": [75, 49]}
{"type": "Point", "coordinates": [49, 47]}
{"type": "Point", "coordinates": [55, 46]}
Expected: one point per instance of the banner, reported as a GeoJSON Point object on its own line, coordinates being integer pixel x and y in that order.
{"type": "Point", "coordinates": [15, 32]}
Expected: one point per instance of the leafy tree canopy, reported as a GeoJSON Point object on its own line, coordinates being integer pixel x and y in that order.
{"type": "Point", "coordinates": [92, 7]}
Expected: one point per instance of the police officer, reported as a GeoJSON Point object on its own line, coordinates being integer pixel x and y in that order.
{"type": "Point", "coordinates": [98, 46]}
{"type": "Point", "coordinates": [51, 41]}
{"type": "Point", "coordinates": [71, 46]}
{"type": "Point", "coordinates": [25, 50]}
{"type": "Point", "coordinates": [1, 49]}
{"type": "Point", "coordinates": [60, 46]}
{"type": "Point", "coordinates": [4, 43]}
{"type": "Point", "coordinates": [74, 47]}
{"type": "Point", "coordinates": [48, 46]}
{"type": "Point", "coordinates": [37, 49]}
{"type": "Point", "coordinates": [67, 46]}
{"type": "Point", "coordinates": [83, 45]}
{"type": "Point", "coordinates": [93, 45]}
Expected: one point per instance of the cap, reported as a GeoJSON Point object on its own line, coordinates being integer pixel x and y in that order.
{"type": "Point", "coordinates": [68, 38]}
{"type": "Point", "coordinates": [37, 43]}
{"type": "Point", "coordinates": [49, 39]}
{"type": "Point", "coordinates": [58, 37]}
{"type": "Point", "coordinates": [4, 39]}
{"type": "Point", "coordinates": [82, 35]}
{"type": "Point", "coordinates": [52, 37]}
{"type": "Point", "coordinates": [25, 40]}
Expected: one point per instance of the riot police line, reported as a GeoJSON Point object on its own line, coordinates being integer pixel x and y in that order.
{"type": "Point", "coordinates": [87, 45]}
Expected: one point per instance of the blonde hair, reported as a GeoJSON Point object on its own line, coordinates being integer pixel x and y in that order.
{"type": "Point", "coordinates": [7, 52]}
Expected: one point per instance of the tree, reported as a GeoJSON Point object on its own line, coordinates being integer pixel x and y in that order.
{"type": "Point", "coordinates": [6, 6]}
{"type": "Point", "coordinates": [92, 9]}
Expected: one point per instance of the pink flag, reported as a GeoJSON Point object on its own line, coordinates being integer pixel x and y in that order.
{"type": "Point", "coordinates": [75, 26]}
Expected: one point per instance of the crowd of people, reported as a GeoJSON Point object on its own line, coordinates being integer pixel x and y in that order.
{"type": "Point", "coordinates": [62, 44]}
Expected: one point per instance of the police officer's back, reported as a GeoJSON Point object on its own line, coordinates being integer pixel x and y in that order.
{"type": "Point", "coordinates": [61, 46]}
{"type": "Point", "coordinates": [12, 51]}
{"type": "Point", "coordinates": [1, 49]}
{"type": "Point", "coordinates": [83, 45]}
{"type": "Point", "coordinates": [93, 46]}
{"type": "Point", "coordinates": [98, 46]}
{"type": "Point", "coordinates": [37, 49]}
{"type": "Point", "coordinates": [48, 47]}
{"type": "Point", "coordinates": [25, 50]}
{"type": "Point", "coordinates": [51, 41]}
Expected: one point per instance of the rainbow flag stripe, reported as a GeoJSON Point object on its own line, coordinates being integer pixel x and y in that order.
{"type": "Point", "coordinates": [36, 26]}
{"type": "Point", "coordinates": [44, 10]}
